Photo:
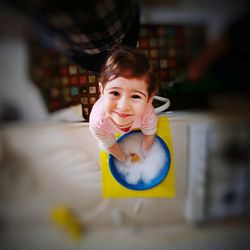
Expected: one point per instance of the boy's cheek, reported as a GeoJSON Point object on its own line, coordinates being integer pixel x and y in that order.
{"type": "Point", "coordinates": [140, 111]}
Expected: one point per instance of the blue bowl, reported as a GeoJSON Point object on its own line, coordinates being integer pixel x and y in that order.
{"type": "Point", "coordinates": [140, 185]}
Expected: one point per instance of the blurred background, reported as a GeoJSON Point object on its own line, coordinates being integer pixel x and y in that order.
{"type": "Point", "coordinates": [50, 194]}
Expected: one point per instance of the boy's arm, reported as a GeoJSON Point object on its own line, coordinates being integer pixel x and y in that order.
{"type": "Point", "coordinates": [149, 127]}
{"type": "Point", "coordinates": [108, 142]}
{"type": "Point", "coordinates": [117, 152]}
{"type": "Point", "coordinates": [147, 143]}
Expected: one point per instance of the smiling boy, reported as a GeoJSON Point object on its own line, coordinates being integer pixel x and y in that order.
{"type": "Point", "coordinates": [127, 86]}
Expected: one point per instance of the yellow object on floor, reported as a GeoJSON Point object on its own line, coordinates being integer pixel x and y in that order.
{"type": "Point", "coordinates": [113, 189]}
{"type": "Point", "coordinates": [67, 220]}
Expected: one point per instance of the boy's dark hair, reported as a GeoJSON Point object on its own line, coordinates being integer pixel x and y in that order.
{"type": "Point", "coordinates": [129, 62]}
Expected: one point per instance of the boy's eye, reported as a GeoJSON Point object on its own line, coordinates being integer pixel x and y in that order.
{"type": "Point", "coordinates": [114, 93]}
{"type": "Point", "coordinates": [136, 97]}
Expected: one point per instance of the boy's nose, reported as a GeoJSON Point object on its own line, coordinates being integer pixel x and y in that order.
{"type": "Point", "coordinates": [123, 103]}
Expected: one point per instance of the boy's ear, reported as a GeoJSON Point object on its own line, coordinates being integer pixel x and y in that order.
{"type": "Point", "coordinates": [100, 88]}
{"type": "Point", "coordinates": [150, 98]}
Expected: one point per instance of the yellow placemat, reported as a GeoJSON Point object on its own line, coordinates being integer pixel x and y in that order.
{"type": "Point", "coordinates": [113, 189]}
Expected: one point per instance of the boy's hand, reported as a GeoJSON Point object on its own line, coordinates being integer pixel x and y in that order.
{"type": "Point", "coordinates": [147, 143]}
{"type": "Point", "coordinates": [144, 153]}
{"type": "Point", "coordinates": [132, 158]}
{"type": "Point", "coordinates": [127, 160]}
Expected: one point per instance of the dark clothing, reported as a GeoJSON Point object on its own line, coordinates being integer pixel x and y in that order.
{"type": "Point", "coordinates": [84, 30]}
{"type": "Point", "coordinates": [233, 68]}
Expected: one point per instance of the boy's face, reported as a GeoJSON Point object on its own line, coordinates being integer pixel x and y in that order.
{"type": "Point", "coordinates": [125, 100]}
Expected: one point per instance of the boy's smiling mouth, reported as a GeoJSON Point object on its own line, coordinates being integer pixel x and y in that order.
{"type": "Point", "coordinates": [122, 115]}
{"type": "Point", "coordinates": [120, 126]}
